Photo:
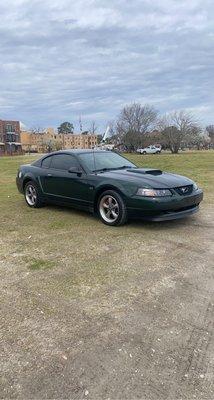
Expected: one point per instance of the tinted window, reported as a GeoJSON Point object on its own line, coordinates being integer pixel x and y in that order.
{"type": "Point", "coordinates": [46, 162]}
{"type": "Point", "coordinates": [104, 159]}
{"type": "Point", "coordinates": [63, 161]}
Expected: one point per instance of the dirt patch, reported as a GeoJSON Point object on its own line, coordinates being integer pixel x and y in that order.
{"type": "Point", "coordinates": [122, 322]}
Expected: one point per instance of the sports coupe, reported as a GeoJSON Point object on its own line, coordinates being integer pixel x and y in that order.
{"type": "Point", "coordinates": [106, 183]}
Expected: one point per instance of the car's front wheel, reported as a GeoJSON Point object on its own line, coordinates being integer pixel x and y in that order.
{"type": "Point", "coordinates": [32, 195]}
{"type": "Point", "coordinates": [112, 209]}
{"type": "Point", "coordinates": [144, 152]}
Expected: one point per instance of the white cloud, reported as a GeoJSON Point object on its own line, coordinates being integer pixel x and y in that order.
{"type": "Point", "coordinates": [60, 58]}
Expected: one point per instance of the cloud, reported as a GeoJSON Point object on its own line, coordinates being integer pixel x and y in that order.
{"type": "Point", "coordinates": [63, 58]}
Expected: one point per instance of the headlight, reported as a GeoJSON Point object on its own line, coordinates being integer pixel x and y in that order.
{"type": "Point", "coordinates": [19, 174]}
{"type": "Point", "coordinates": [154, 192]}
{"type": "Point", "coordinates": [195, 187]}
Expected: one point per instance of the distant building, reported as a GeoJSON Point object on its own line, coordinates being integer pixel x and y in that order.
{"type": "Point", "coordinates": [10, 137]}
{"type": "Point", "coordinates": [32, 142]}
{"type": "Point", "coordinates": [73, 141]}
{"type": "Point", "coordinates": [49, 140]}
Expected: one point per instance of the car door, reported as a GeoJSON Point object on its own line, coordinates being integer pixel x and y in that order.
{"type": "Point", "coordinates": [63, 186]}
{"type": "Point", "coordinates": [152, 149]}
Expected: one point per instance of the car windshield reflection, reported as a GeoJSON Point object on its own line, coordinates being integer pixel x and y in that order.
{"type": "Point", "coordinates": [104, 161]}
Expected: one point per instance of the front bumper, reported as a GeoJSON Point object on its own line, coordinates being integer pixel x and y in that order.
{"type": "Point", "coordinates": [167, 216]}
{"type": "Point", "coordinates": [165, 208]}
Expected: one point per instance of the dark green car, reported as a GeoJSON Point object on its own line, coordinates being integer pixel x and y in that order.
{"type": "Point", "coordinates": [106, 183]}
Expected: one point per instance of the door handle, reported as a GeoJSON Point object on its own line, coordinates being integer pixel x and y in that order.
{"type": "Point", "coordinates": [49, 175]}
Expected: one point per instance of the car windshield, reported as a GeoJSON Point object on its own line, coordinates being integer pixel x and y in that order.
{"type": "Point", "coordinates": [104, 161]}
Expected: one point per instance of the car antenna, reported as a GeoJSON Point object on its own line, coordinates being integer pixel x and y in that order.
{"type": "Point", "coordinates": [94, 161]}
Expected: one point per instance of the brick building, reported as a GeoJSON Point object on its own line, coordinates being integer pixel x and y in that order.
{"type": "Point", "coordinates": [10, 137]}
{"type": "Point", "coordinates": [72, 141]}
{"type": "Point", "coordinates": [49, 140]}
{"type": "Point", "coordinates": [32, 142]}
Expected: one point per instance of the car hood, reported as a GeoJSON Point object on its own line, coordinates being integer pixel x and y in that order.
{"type": "Point", "coordinates": [149, 177]}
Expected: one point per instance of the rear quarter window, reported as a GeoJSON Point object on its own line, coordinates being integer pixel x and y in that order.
{"type": "Point", "coordinates": [46, 162]}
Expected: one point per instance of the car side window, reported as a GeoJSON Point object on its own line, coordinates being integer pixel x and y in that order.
{"type": "Point", "coordinates": [46, 162]}
{"type": "Point", "coordinates": [63, 162]}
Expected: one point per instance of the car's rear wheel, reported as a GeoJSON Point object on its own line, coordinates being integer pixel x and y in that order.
{"type": "Point", "coordinates": [144, 152]}
{"type": "Point", "coordinates": [158, 152]}
{"type": "Point", "coordinates": [32, 195]}
{"type": "Point", "coordinates": [111, 208]}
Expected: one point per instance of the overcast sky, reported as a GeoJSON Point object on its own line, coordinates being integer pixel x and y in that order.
{"type": "Point", "coordinates": [65, 58]}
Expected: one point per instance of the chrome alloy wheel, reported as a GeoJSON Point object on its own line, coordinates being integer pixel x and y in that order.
{"type": "Point", "coordinates": [109, 208]}
{"type": "Point", "coordinates": [31, 195]}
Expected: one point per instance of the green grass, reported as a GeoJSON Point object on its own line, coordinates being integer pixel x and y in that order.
{"type": "Point", "coordinates": [38, 264]}
{"type": "Point", "coordinates": [198, 165]}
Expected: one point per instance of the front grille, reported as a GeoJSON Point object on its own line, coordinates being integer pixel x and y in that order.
{"type": "Point", "coordinates": [184, 190]}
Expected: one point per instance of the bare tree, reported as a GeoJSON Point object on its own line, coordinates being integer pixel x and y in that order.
{"type": "Point", "coordinates": [136, 118]}
{"type": "Point", "coordinates": [210, 131]}
{"type": "Point", "coordinates": [133, 122]}
{"type": "Point", "coordinates": [93, 128]}
{"type": "Point", "coordinates": [131, 141]}
{"type": "Point", "coordinates": [199, 138]}
{"type": "Point", "coordinates": [178, 127]}
{"type": "Point", "coordinates": [37, 129]}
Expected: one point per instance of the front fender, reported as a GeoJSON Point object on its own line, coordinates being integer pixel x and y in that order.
{"type": "Point", "coordinates": [124, 189]}
{"type": "Point", "coordinates": [29, 176]}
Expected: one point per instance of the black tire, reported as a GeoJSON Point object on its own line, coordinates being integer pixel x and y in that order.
{"type": "Point", "coordinates": [33, 195]}
{"type": "Point", "coordinates": [118, 208]}
{"type": "Point", "coordinates": [158, 152]}
{"type": "Point", "coordinates": [144, 152]}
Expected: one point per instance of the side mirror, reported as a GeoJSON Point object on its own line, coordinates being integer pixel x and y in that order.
{"type": "Point", "coordinates": [75, 170]}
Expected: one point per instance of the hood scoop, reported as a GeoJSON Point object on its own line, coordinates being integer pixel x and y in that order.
{"type": "Point", "coordinates": [147, 171]}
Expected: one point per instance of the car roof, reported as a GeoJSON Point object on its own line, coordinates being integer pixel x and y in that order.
{"type": "Point", "coordinates": [68, 151]}
{"type": "Point", "coordinates": [77, 151]}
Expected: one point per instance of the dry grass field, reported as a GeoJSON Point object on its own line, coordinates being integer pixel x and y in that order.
{"type": "Point", "coordinates": [90, 311]}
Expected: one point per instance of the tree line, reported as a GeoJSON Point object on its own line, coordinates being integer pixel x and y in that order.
{"type": "Point", "coordinates": [68, 128]}
{"type": "Point", "coordinates": [138, 124]}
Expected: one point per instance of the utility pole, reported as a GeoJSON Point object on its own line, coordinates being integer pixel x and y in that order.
{"type": "Point", "coordinates": [63, 141]}
{"type": "Point", "coordinates": [80, 122]}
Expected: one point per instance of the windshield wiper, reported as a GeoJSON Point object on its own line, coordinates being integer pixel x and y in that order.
{"type": "Point", "coordinates": [125, 166]}
{"type": "Point", "coordinates": [113, 168]}
{"type": "Point", "coordinates": [102, 170]}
